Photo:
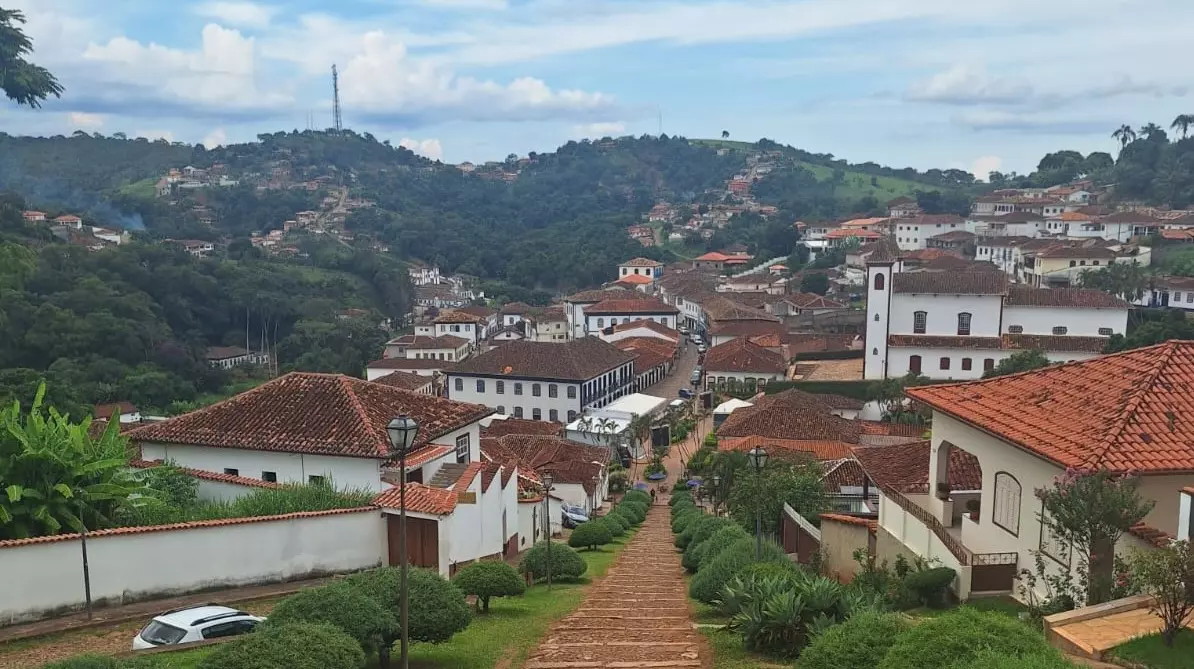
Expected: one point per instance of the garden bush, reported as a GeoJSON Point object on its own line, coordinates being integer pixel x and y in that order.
{"type": "Point", "coordinates": [684, 503]}
{"type": "Point", "coordinates": [683, 509]}
{"type": "Point", "coordinates": [625, 515]}
{"type": "Point", "coordinates": [684, 538]}
{"type": "Point", "coordinates": [691, 560]}
{"type": "Point", "coordinates": [709, 580]}
{"type": "Point", "coordinates": [680, 496]}
{"type": "Point", "coordinates": [347, 608]}
{"type": "Point", "coordinates": [681, 521]}
{"type": "Point", "coordinates": [437, 609]}
{"type": "Point", "coordinates": [858, 643]}
{"type": "Point", "coordinates": [777, 610]}
{"type": "Point", "coordinates": [719, 541]}
{"type": "Point", "coordinates": [639, 508]}
{"type": "Point", "coordinates": [617, 523]}
{"type": "Point", "coordinates": [958, 636]}
{"type": "Point", "coordinates": [297, 646]}
{"type": "Point", "coordinates": [591, 535]}
{"type": "Point", "coordinates": [705, 530]}
{"type": "Point", "coordinates": [490, 578]}
{"type": "Point", "coordinates": [566, 564]}
{"type": "Point", "coordinates": [637, 495]}
{"type": "Point", "coordinates": [993, 660]}
{"type": "Point", "coordinates": [84, 662]}
{"type": "Point", "coordinates": [930, 585]}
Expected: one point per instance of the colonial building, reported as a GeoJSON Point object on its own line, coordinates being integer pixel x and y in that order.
{"type": "Point", "coordinates": [740, 363]}
{"type": "Point", "coordinates": [575, 306]}
{"type": "Point", "coordinates": [610, 312]}
{"type": "Point", "coordinates": [644, 267]}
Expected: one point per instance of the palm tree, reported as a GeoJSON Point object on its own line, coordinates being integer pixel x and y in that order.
{"type": "Point", "coordinates": [1182, 123]}
{"type": "Point", "coordinates": [1150, 131]}
{"type": "Point", "coordinates": [1125, 134]}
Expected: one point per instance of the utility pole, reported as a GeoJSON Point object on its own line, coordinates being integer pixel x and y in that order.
{"type": "Point", "coordinates": [336, 121]}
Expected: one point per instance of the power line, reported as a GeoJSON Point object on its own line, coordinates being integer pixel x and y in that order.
{"type": "Point", "coordinates": [336, 121]}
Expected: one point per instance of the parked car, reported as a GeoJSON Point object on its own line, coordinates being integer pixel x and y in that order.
{"type": "Point", "coordinates": [701, 348]}
{"type": "Point", "coordinates": [194, 623]}
{"type": "Point", "coordinates": [686, 393]}
{"type": "Point", "coordinates": [573, 515]}
{"type": "Point", "coordinates": [696, 377]}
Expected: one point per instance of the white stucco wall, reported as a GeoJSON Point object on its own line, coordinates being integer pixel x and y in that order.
{"type": "Point", "coordinates": [508, 400]}
{"type": "Point", "coordinates": [713, 376]}
{"type": "Point", "coordinates": [530, 524]}
{"type": "Point", "coordinates": [129, 567]}
{"type": "Point", "coordinates": [1078, 322]}
{"type": "Point", "coordinates": [594, 324]}
{"type": "Point", "coordinates": [289, 467]}
{"type": "Point", "coordinates": [943, 313]}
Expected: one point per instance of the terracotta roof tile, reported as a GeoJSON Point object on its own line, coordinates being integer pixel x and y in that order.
{"type": "Point", "coordinates": [750, 328]}
{"type": "Point", "coordinates": [1151, 535]}
{"type": "Point", "coordinates": [790, 414]}
{"type": "Point", "coordinates": [218, 477]}
{"type": "Point", "coordinates": [840, 401]}
{"type": "Point", "coordinates": [313, 413]}
{"type": "Point", "coordinates": [407, 363]}
{"type": "Point", "coordinates": [635, 280]}
{"type": "Point", "coordinates": [740, 355]}
{"type": "Point", "coordinates": [1060, 344]}
{"type": "Point", "coordinates": [649, 324]}
{"type": "Point", "coordinates": [641, 262]}
{"type": "Point", "coordinates": [404, 380]}
{"type": "Point", "coordinates": [592, 296]}
{"type": "Point", "coordinates": [950, 283]}
{"type": "Point", "coordinates": [870, 523]}
{"type": "Point", "coordinates": [722, 308]}
{"type": "Point", "coordinates": [501, 428]}
{"type": "Point", "coordinates": [630, 306]}
{"type": "Point", "coordinates": [419, 499]}
{"type": "Point", "coordinates": [817, 449]}
{"type": "Point", "coordinates": [569, 461]}
{"type": "Point", "coordinates": [1025, 296]}
{"type": "Point", "coordinates": [813, 301]}
{"type": "Point", "coordinates": [649, 352]}
{"type": "Point", "coordinates": [1131, 411]}
{"type": "Point", "coordinates": [421, 456]}
{"type": "Point", "coordinates": [954, 236]}
{"type": "Point", "coordinates": [458, 317]}
{"type": "Point", "coordinates": [905, 467]}
{"type": "Point", "coordinates": [944, 341]}
{"type": "Point", "coordinates": [845, 473]}
{"type": "Point", "coordinates": [577, 360]}
{"type": "Point", "coordinates": [892, 429]}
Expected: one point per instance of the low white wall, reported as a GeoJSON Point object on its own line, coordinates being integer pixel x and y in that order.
{"type": "Point", "coordinates": [45, 576]}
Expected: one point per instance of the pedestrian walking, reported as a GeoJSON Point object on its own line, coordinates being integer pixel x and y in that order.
{"type": "Point", "coordinates": [652, 496]}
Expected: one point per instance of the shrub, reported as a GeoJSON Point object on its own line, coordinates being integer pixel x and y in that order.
{"type": "Point", "coordinates": [684, 538]}
{"type": "Point", "coordinates": [591, 535]}
{"type": "Point", "coordinates": [637, 495]}
{"type": "Point", "coordinates": [344, 607]}
{"type": "Point", "coordinates": [436, 609]}
{"type": "Point", "coordinates": [679, 496]}
{"type": "Point", "coordinates": [779, 612]}
{"type": "Point", "coordinates": [709, 580]}
{"type": "Point", "coordinates": [617, 523]}
{"type": "Point", "coordinates": [958, 636]}
{"type": "Point", "coordinates": [84, 662]}
{"type": "Point", "coordinates": [706, 529]}
{"type": "Point", "coordinates": [625, 515]}
{"type": "Point", "coordinates": [680, 522]}
{"type": "Point", "coordinates": [684, 503]}
{"type": "Point", "coordinates": [491, 578]}
{"type": "Point", "coordinates": [721, 539]}
{"type": "Point", "coordinates": [858, 643]}
{"type": "Point", "coordinates": [297, 646]}
{"type": "Point", "coordinates": [992, 660]}
{"type": "Point", "coordinates": [566, 564]}
{"type": "Point", "coordinates": [639, 509]}
{"type": "Point", "coordinates": [930, 585]}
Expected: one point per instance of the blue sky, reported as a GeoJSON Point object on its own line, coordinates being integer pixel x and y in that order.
{"type": "Point", "coordinates": [978, 85]}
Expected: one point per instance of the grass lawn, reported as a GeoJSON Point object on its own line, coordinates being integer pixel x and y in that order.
{"type": "Point", "coordinates": [505, 636]}
{"type": "Point", "coordinates": [1152, 652]}
{"type": "Point", "coordinates": [1004, 605]}
{"type": "Point", "coordinates": [728, 652]}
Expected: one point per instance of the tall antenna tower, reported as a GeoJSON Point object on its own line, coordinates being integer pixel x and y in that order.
{"type": "Point", "coordinates": [336, 122]}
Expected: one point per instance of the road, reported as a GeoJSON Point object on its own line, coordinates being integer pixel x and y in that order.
{"type": "Point", "coordinates": [680, 377]}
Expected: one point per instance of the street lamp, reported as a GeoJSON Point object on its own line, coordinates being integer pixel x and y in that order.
{"type": "Point", "coordinates": [716, 487]}
{"type": "Point", "coordinates": [402, 432]}
{"type": "Point", "coordinates": [547, 516]}
{"type": "Point", "coordinates": [758, 458]}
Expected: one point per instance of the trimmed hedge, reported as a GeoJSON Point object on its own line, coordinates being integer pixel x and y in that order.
{"type": "Point", "coordinates": [860, 642]}
{"type": "Point", "coordinates": [992, 660]}
{"type": "Point", "coordinates": [618, 524]}
{"type": "Point", "coordinates": [958, 636]}
{"type": "Point", "coordinates": [487, 579]}
{"type": "Point", "coordinates": [710, 579]}
{"type": "Point", "coordinates": [591, 535]}
{"type": "Point", "coordinates": [930, 585]}
{"type": "Point", "coordinates": [566, 564]}
{"type": "Point", "coordinates": [437, 609]}
{"type": "Point", "coordinates": [719, 541]}
{"type": "Point", "coordinates": [343, 606]}
{"type": "Point", "coordinates": [636, 496]}
{"type": "Point", "coordinates": [684, 538]}
{"type": "Point", "coordinates": [680, 496]}
{"type": "Point", "coordinates": [681, 521]}
{"type": "Point", "coordinates": [297, 646]}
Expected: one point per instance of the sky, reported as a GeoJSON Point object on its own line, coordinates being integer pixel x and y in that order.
{"type": "Point", "coordinates": [970, 84]}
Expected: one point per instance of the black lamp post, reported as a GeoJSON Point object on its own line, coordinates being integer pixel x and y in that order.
{"type": "Point", "coordinates": [758, 458]}
{"type": "Point", "coordinates": [547, 481]}
{"type": "Point", "coordinates": [402, 432]}
{"type": "Point", "coordinates": [716, 488]}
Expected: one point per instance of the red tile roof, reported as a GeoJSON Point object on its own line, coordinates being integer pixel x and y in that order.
{"type": "Point", "coordinates": [789, 415]}
{"type": "Point", "coordinates": [818, 449]}
{"type": "Point", "coordinates": [590, 296]}
{"type": "Point", "coordinates": [1025, 296]}
{"type": "Point", "coordinates": [577, 360]}
{"type": "Point", "coordinates": [904, 468]}
{"type": "Point", "coordinates": [1060, 344]}
{"type": "Point", "coordinates": [421, 456]}
{"type": "Point", "coordinates": [635, 279]}
{"type": "Point", "coordinates": [419, 499]}
{"type": "Point", "coordinates": [459, 317]}
{"type": "Point", "coordinates": [950, 283]}
{"type": "Point", "coordinates": [892, 429]}
{"type": "Point", "coordinates": [468, 476]}
{"type": "Point", "coordinates": [870, 524]}
{"type": "Point", "coordinates": [944, 341]}
{"type": "Point", "coordinates": [569, 461]}
{"type": "Point", "coordinates": [114, 409]}
{"type": "Point", "coordinates": [813, 301]}
{"type": "Point", "coordinates": [1128, 411]}
{"type": "Point", "coordinates": [500, 428]}
{"type": "Point", "coordinates": [649, 352]}
{"type": "Point", "coordinates": [1151, 535]}
{"type": "Point", "coordinates": [218, 477]}
{"type": "Point", "coordinates": [845, 473]}
{"type": "Point", "coordinates": [489, 471]}
{"type": "Point", "coordinates": [323, 414]}
{"type": "Point", "coordinates": [641, 262]}
{"type": "Point", "coordinates": [404, 380]}
{"type": "Point", "coordinates": [722, 308]}
{"type": "Point", "coordinates": [752, 328]}
{"type": "Point", "coordinates": [630, 306]}
{"type": "Point", "coordinates": [651, 325]}
{"type": "Point", "coordinates": [741, 355]}
{"type": "Point", "coordinates": [408, 363]}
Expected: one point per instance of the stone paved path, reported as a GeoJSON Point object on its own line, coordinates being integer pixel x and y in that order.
{"type": "Point", "coordinates": [635, 617]}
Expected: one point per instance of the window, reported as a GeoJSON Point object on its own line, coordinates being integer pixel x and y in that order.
{"type": "Point", "coordinates": [878, 282]}
{"type": "Point", "coordinates": [963, 324]}
{"type": "Point", "coordinates": [1189, 298]}
{"type": "Point", "coordinates": [600, 323]}
{"type": "Point", "coordinates": [553, 415]}
{"type": "Point", "coordinates": [876, 318]}
{"type": "Point", "coordinates": [875, 351]}
{"type": "Point", "coordinates": [518, 412]}
{"type": "Point", "coordinates": [232, 471]}
{"type": "Point", "coordinates": [1006, 511]}
{"type": "Point", "coordinates": [1095, 262]}
{"type": "Point", "coordinates": [920, 322]}
{"type": "Point", "coordinates": [459, 384]}
{"type": "Point", "coordinates": [1060, 330]}
{"type": "Point", "coordinates": [571, 392]}
{"type": "Point", "coordinates": [500, 387]}
{"type": "Point", "coordinates": [1015, 329]}
{"type": "Point", "coordinates": [480, 385]}
{"type": "Point", "coordinates": [501, 409]}
{"type": "Point", "coordinates": [988, 364]}
{"type": "Point", "coordinates": [967, 364]}
{"type": "Point", "coordinates": [462, 448]}
{"type": "Point", "coordinates": [536, 390]}
{"type": "Point", "coordinates": [914, 364]}
{"type": "Point", "coordinates": [553, 390]}
{"type": "Point", "coordinates": [1073, 263]}
{"type": "Point", "coordinates": [1106, 332]}
{"type": "Point", "coordinates": [571, 415]}
{"type": "Point", "coordinates": [536, 414]}
{"type": "Point", "coordinates": [517, 388]}
{"type": "Point", "coordinates": [317, 480]}
{"type": "Point", "coordinates": [228, 629]}
{"type": "Point", "coordinates": [945, 362]}
{"type": "Point", "coordinates": [271, 477]}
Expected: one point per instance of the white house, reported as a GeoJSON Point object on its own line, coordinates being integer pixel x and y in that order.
{"type": "Point", "coordinates": [641, 328]}
{"type": "Point", "coordinates": [610, 312]}
{"type": "Point", "coordinates": [422, 366]}
{"type": "Point", "coordinates": [912, 232]}
{"type": "Point", "coordinates": [956, 325]}
{"type": "Point", "coordinates": [578, 470]}
{"type": "Point", "coordinates": [543, 381]}
{"type": "Point", "coordinates": [575, 305]}
{"type": "Point", "coordinates": [608, 425]}
{"type": "Point", "coordinates": [227, 357]}
{"type": "Point", "coordinates": [461, 324]}
{"type": "Point", "coordinates": [651, 269]}
{"type": "Point", "coordinates": [998, 441]}
{"type": "Point", "coordinates": [449, 348]}
{"type": "Point", "coordinates": [1175, 292]}
{"type": "Point", "coordinates": [125, 412]}
{"type": "Point", "coordinates": [740, 363]}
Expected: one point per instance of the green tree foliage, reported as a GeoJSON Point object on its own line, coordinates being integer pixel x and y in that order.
{"type": "Point", "coordinates": [488, 579]}
{"type": "Point", "coordinates": [959, 636]}
{"type": "Point", "coordinates": [436, 610]}
{"type": "Point", "coordinates": [1167, 574]}
{"type": "Point", "coordinates": [1128, 281]}
{"type": "Point", "coordinates": [1158, 327]}
{"type": "Point", "coordinates": [57, 477]}
{"type": "Point", "coordinates": [342, 606]}
{"type": "Point", "coordinates": [23, 82]}
{"type": "Point", "coordinates": [706, 586]}
{"type": "Point", "coordinates": [1020, 361]}
{"type": "Point", "coordinates": [295, 646]}
{"type": "Point", "coordinates": [858, 643]}
{"type": "Point", "coordinates": [796, 483]}
{"type": "Point", "coordinates": [814, 282]}
{"type": "Point", "coordinates": [566, 564]}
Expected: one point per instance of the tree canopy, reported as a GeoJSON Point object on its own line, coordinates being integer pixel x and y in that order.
{"type": "Point", "coordinates": [22, 81]}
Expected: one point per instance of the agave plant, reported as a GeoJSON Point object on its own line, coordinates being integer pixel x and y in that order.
{"type": "Point", "coordinates": [780, 614]}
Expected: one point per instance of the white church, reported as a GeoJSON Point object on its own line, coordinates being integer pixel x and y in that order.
{"type": "Point", "coordinates": [958, 324]}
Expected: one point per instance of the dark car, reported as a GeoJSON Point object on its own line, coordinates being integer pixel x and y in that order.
{"type": "Point", "coordinates": [686, 393]}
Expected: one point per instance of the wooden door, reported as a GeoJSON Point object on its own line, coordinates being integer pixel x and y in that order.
{"type": "Point", "coordinates": [422, 541]}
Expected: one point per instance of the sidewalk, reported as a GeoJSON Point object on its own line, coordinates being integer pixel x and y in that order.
{"type": "Point", "coordinates": [111, 615]}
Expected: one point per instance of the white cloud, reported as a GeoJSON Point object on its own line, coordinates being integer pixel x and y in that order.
{"type": "Point", "coordinates": [601, 129]}
{"type": "Point", "coordinates": [430, 148]}
{"type": "Point", "coordinates": [237, 13]}
{"type": "Point", "coordinates": [964, 84]}
{"type": "Point", "coordinates": [984, 165]}
{"type": "Point", "coordinates": [83, 121]}
{"type": "Point", "coordinates": [215, 138]}
{"type": "Point", "coordinates": [154, 134]}
{"type": "Point", "coordinates": [468, 4]}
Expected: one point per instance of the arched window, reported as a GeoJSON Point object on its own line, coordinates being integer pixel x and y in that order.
{"type": "Point", "coordinates": [875, 351]}
{"type": "Point", "coordinates": [1005, 512]}
{"type": "Point", "coordinates": [920, 322]}
{"type": "Point", "coordinates": [878, 282]}
{"type": "Point", "coordinates": [963, 324]}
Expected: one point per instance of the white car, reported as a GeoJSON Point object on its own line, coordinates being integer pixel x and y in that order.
{"type": "Point", "coordinates": [194, 623]}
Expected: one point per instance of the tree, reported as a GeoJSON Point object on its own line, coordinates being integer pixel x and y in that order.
{"type": "Point", "coordinates": [23, 82]}
{"type": "Point", "coordinates": [295, 646]}
{"type": "Point", "coordinates": [1152, 132]}
{"type": "Point", "coordinates": [487, 579]}
{"type": "Point", "coordinates": [1182, 123]}
{"type": "Point", "coordinates": [814, 282]}
{"type": "Point", "coordinates": [437, 609]}
{"type": "Point", "coordinates": [1125, 280]}
{"type": "Point", "coordinates": [1125, 135]}
{"type": "Point", "coordinates": [591, 535]}
{"type": "Point", "coordinates": [1020, 361]}
{"type": "Point", "coordinates": [344, 607]}
{"type": "Point", "coordinates": [725, 134]}
{"type": "Point", "coordinates": [1167, 573]}
{"type": "Point", "coordinates": [797, 483]}
{"type": "Point", "coordinates": [1088, 511]}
